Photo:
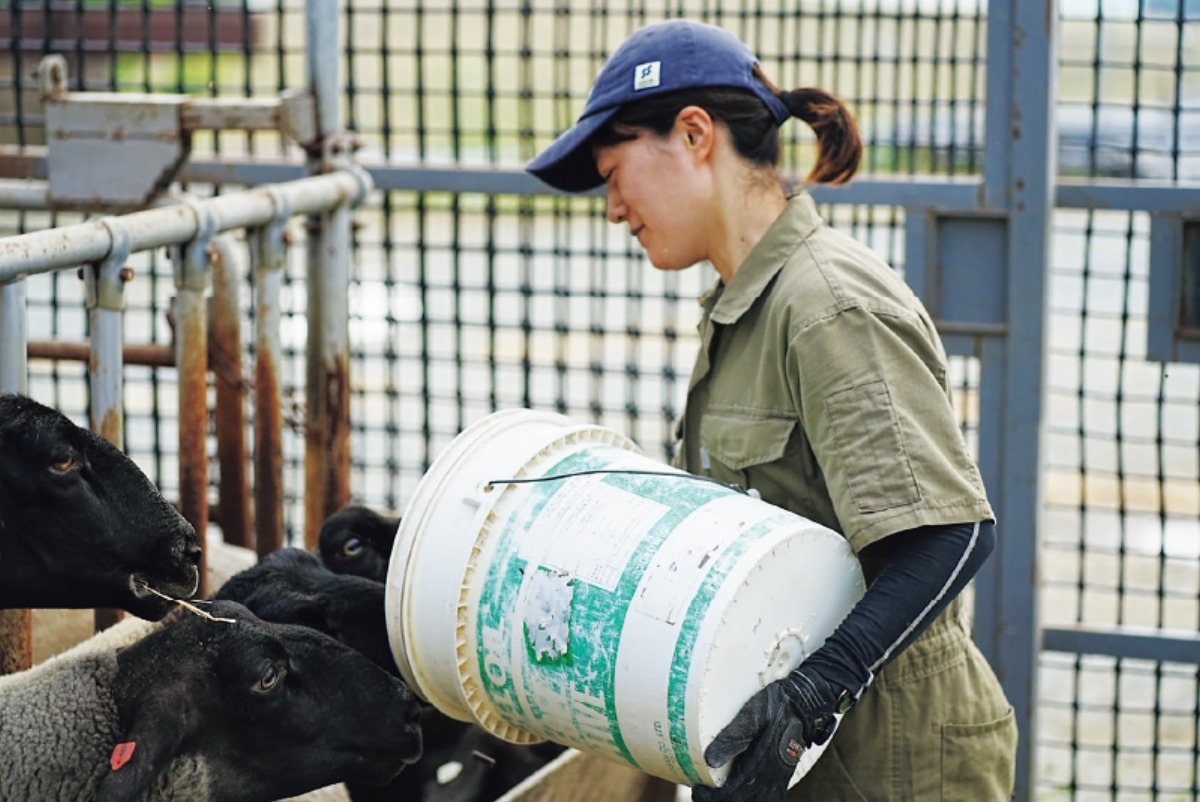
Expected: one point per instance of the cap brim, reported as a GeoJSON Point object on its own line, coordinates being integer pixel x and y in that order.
{"type": "Point", "coordinates": [568, 163]}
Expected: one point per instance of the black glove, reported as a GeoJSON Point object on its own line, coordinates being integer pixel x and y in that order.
{"type": "Point", "coordinates": [772, 730]}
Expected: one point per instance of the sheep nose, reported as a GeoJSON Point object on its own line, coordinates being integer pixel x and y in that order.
{"type": "Point", "coordinates": [193, 553]}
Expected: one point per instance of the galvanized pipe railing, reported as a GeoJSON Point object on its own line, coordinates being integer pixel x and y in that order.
{"type": "Point", "coordinates": [85, 243]}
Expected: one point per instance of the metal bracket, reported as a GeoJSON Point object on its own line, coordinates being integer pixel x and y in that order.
{"type": "Point", "coordinates": [114, 152]}
{"type": "Point", "coordinates": [298, 116]}
{"type": "Point", "coordinates": [270, 241]}
{"type": "Point", "coordinates": [52, 77]}
{"type": "Point", "coordinates": [104, 281]}
{"type": "Point", "coordinates": [192, 266]}
{"type": "Point", "coordinates": [338, 154]}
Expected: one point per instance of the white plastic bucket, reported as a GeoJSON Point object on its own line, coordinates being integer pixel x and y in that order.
{"type": "Point", "coordinates": [627, 612]}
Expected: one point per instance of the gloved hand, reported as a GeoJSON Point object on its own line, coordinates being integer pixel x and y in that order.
{"type": "Point", "coordinates": [768, 735]}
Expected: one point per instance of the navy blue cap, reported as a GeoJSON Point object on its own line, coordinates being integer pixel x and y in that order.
{"type": "Point", "coordinates": [659, 58]}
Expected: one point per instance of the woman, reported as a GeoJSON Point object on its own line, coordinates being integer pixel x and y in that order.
{"type": "Point", "coordinates": [821, 383]}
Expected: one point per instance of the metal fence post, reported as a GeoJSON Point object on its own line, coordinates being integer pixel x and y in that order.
{"type": "Point", "coordinates": [327, 423]}
{"type": "Point", "coordinates": [1019, 177]}
{"type": "Point", "coordinates": [191, 360]}
{"type": "Point", "coordinates": [268, 252]}
{"type": "Point", "coordinates": [105, 286]}
{"type": "Point", "coordinates": [14, 367]}
{"type": "Point", "coordinates": [225, 360]}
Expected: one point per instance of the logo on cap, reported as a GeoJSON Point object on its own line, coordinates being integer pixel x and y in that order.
{"type": "Point", "coordinates": [645, 76]}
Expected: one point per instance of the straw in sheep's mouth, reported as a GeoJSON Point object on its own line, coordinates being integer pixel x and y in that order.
{"type": "Point", "coordinates": [138, 586]}
{"type": "Point", "coordinates": [141, 588]}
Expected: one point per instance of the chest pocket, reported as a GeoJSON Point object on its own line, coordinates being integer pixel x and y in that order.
{"type": "Point", "coordinates": [737, 443]}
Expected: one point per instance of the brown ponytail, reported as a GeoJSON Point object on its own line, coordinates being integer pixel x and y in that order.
{"type": "Point", "coordinates": [839, 145]}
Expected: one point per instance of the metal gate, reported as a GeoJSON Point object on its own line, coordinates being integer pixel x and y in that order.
{"type": "Point", "coordinates": [1033, 169]}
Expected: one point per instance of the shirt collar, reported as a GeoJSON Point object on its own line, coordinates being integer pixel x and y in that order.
{"type": "Point", "coordinates": [798, 220]}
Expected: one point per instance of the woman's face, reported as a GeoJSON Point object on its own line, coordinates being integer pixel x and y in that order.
{"type": "Point", "coordinates": [658, 189]}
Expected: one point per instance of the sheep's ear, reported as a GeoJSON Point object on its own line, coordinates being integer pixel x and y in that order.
{"type": "Point", "coordinates": [145, 752]}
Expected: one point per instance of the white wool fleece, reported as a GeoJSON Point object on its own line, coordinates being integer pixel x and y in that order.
{"type": "Point", "coordinates": [59, 724]}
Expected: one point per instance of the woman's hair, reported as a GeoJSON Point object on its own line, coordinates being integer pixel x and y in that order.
{"type": "Point", "coordinates": [752, 126]}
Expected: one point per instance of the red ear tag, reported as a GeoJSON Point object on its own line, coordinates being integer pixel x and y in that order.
{"type": "Point", "coordinates": [122, 754]}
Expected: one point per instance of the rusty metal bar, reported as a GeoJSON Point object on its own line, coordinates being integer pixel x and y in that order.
{"type": "Point", "coordinates": [292, 113]}
{"type": "Point", "coordinates": [105, 287]}
{"type": "Point", "coordinates": [225, 359]}
{"type": "Point", "coordinates": [244, 114]}
{"type": "Point", "coordinates": [191, 360]}
{"type": "Point", "coordinates": [327, 424]}
{"type": "Point", "coordinates": [268, 249]}
{"type": "Point", "coordinates": [155, 356]}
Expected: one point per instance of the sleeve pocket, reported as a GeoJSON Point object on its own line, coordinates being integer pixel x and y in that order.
{"type": "Point", "coordinates": [738, 442]}
{"type": "Point", "coordinates": [870, 447]}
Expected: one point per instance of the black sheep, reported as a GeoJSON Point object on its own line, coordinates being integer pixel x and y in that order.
{"type": "Point", "coordinates": [80, 524]}
{"type": "Point", "coordinates": [358, 540]}
{"type": "Point", "coordinates": [462, 762]}
{"type": "Point", "coordinates": [200, 710]}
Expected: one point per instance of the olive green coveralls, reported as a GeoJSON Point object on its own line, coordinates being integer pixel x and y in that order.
{"type": "Point", "coordinates": [821, 383]}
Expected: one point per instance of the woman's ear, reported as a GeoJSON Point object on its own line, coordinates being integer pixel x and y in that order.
{"type": "Point", "coordinates": [696, 128]}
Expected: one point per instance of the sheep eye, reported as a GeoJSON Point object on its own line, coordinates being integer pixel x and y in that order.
{"type": "Point", "coordinates": [352, 547]}
{"type": "Point", "coordinates": [271, 677]}
{"type": "Point", "coordinates": [65, 465]}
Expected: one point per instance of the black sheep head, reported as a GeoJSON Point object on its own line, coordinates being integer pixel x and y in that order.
{"type": "Point", "coordinates": [80, 524]}
{"type": "Point", "coordinates": [268, 710]}
{"type": "Point", "coordinates": [357, 540]}
{"type": "Point", "coordinates": [292, 586]}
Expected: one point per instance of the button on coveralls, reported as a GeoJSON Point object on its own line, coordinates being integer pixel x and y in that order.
{"type": "Point", "coordinates": [821, 383]}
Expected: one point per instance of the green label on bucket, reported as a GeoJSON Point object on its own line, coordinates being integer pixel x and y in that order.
{"type": "Point", "coordinates": [682, 663]}
{"type": "Point", "coordinates": [560, 583]}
